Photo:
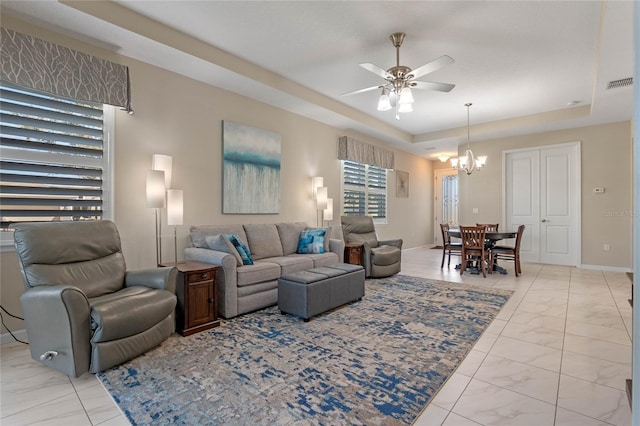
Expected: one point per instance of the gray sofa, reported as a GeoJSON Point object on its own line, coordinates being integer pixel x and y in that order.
{"type": "Point", "coordinates": [246, 288]}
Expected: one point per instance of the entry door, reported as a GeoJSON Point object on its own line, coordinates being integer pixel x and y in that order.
{"type": "Point", "coordinates": [542, 192]}
{"type": "Point", "coordinates": [446, 201]}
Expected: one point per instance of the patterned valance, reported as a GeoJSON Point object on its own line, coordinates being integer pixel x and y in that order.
{"type": "Point", "coordinates": [37, 64]}
{"type": "Point", "coordinates": [364, 153]}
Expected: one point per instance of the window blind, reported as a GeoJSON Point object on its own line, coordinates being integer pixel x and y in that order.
{"type": "Point", "coordinates": [364, 190]}
{"type": "Point", "coordinates": [51, 162]}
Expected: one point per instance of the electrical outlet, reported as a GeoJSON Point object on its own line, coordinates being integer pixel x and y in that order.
{"type": "Point", "coordinates": [598, 190]}
{"type": "Point", "coordinates": [606, 247]}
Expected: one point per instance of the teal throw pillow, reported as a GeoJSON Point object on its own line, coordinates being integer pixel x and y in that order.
{"type": "Point", "coordinates": [311, 241]}
{"type": "Point", "coordinates": [243, 250]}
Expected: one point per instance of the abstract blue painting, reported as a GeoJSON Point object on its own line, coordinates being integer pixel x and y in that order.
{"type": "Point", "coordinates": [251, 170]}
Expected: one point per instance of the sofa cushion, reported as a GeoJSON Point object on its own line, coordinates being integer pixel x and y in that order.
{"type": "Point", "coordinates": [311, 241]}
{"type": "Point", "coordinates": [289, 235]}
{"type": "Point", "coordinates": [291, 263]}
{"type": "Point", "coordinates": [257, 273]}
{"type": "Point", "coordinates": [221, 243]}
{"type": "Point", "coordinates": [241, 248]}
{"type": "Point", "coordinates": [320, 259]}
{"type": "Point", "coordinates": [264, 240]}
{"type": "Point", "coordinates": [199, 233]}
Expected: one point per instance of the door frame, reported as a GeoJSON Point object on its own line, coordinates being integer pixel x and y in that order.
{"type": "Point", "coordinates": [437, 190]}
{"type": "Point", "coordinates": [576, 205]}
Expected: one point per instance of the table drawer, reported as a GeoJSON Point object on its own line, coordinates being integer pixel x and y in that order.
{"type": "Point", "coordinates": [195, 277]}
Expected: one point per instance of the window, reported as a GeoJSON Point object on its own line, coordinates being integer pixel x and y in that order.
{"type": "Point", "coordinates": [54, 162]}
{"type": "Point", "coordinates": [364, 191]}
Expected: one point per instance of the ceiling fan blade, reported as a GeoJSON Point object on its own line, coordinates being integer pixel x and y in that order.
{"type": "Point", "coordinates": [440, 87]}
{"type": "Point", "coordinates": [432, 66]}
{"type": "Point", "coordinates": [366, 89]}
{"type": "Point", "coordinates": [377, 70]}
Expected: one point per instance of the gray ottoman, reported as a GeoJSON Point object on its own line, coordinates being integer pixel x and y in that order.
{"type": "Point", "coordinates": [314, 291]}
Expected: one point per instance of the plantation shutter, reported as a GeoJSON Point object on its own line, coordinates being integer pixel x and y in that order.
{"type": "Point", "coordinates": [377, 193]}
{"type": "Point", "coordinates": [354, 189]}
{"type": "Point", "coordinates": [364, 190]}
{"type": "Point", "coordinates": [51, 162]}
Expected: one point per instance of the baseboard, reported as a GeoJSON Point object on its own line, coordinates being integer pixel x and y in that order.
{"type": "Point", "coordinates": [605, 268]}
{"type": "Point", "coordinates": [7, 338]}
{"type": "Point", "coordinates": [418, 247]}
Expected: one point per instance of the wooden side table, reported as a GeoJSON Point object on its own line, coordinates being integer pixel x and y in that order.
{"type": "Point", "coordinates": [353, 253]}
{"type": "Point", "coordinates": [197, 293]}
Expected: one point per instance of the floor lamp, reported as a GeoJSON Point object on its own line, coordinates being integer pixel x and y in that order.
{"type": "Point", "coordinates": [174, 215]}
{"type": "Point", "coordinates": [328, 212]}
{"type": "Point", "coordinates": [321, 203]}
{"type": "Point", "coordinates": [156, 200]}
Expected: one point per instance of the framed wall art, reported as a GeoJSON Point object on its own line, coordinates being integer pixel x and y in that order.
{"type": "Point", "coordinates": [402, 184]}
{"type": "Point", "coordinates": [250, 170]}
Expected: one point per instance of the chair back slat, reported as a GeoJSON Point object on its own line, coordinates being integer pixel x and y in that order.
{"type": "Point", "coordinates": [491, 227]}
{"type": "Point", "coordinates": [473, 237]}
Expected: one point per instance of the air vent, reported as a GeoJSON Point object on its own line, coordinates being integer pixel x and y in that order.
{"type": "Point", "coordinates": [620, 83]}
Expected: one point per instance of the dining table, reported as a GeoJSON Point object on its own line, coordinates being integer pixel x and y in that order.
{"type": "Point", "coordinates": [492, 238]}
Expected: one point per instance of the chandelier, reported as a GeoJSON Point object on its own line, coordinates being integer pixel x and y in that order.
{"type": "Point", "coordinates": [468, 162]}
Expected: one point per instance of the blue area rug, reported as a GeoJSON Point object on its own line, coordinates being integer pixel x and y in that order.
{"type": "Point", "coordinates": [376, 362]}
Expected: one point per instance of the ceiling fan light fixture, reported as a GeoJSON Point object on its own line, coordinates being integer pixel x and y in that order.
{"type": "Point", "coordinates": [405, 108]}
{"type": "Point", "coordinates": [406, 97]}
{"type": "Point", "coordinates": [384, 103]}
{"type": "Point", "coordinates": [400, 79]}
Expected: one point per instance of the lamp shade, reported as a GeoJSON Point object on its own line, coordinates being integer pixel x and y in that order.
{"type": "Point", "coordinates": [405, 108]}
{"type": "Point", "coordinates": [384, 103]}
{"type": "Point", "coordinates": [163, 162]}
{"type": "Point", "coordinates": [316, 182]}
{"type": "Point", "coordinates": [321, 198]}
{"type": "Point", "coordinates": [174, 207]}
{"type": "Point", "coordinates": [328, 212]}
{"type": "Point", "coordinates": [406, 97]}
{"type": "Point", "coordinates": [155, 189]}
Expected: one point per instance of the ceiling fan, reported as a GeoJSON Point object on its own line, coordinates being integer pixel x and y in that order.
{"type": "Point", "coordinates": [401, 79]}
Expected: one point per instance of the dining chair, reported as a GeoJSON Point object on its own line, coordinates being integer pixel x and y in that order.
{"type": "Point", "coordinates": [474, 248]}
{"type": "Point", "coordinates": [509, 253]}
{"type": "Point", "coordinates": [491, 227]}
{"type": "Point", "coordinates": [448, 246]}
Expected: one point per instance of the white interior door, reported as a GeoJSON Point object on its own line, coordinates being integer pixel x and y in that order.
{"type": "Point", "coordinates": [446, 201]}
{"type": "Point", "coordinates": [522, 200]}
{"type": "Point", "coordinates": [559, 205]}
{"type": "Point", "coordinates": [542, 192]}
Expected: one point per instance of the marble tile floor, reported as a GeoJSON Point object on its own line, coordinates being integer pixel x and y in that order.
{"type": "Point", "coordinates": [557, 354]}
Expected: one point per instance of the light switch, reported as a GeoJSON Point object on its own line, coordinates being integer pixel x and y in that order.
{"type": "Point", "coordinates": [475, 210]}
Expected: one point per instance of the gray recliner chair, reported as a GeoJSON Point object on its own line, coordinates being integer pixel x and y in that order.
{"type": "Point", "coordinates": [83, 311]}
{"type": "Point", "coordinates": [379, 258]}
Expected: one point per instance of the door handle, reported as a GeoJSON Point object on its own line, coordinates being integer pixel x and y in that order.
{"type": "Point", "coordinates": [545, 220]}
